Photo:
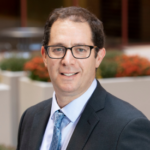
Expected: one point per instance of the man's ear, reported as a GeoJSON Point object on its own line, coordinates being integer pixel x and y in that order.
{"type": "Point", "coordinates": [44, 56]}
{"type": "Point", "coordinates": [100, 55]}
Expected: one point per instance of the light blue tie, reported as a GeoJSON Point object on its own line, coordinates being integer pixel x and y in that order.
{"type": "Point", "coordinates": [56, 139]}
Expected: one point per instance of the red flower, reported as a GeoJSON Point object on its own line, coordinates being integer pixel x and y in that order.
{"type": "Point", "coordinates": [37, 69]}
{"type": "Point", "coordinates": [132, 66]}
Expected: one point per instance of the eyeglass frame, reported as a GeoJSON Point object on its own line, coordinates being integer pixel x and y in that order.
{"type": "Point", "coordinates": [66, 48]}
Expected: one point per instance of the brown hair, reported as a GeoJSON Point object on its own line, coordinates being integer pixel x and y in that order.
{"type": "Point", "coordinates": [76, 14]}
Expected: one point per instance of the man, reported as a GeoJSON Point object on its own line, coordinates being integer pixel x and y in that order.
{"type": "Point", "coordinates": [81, 114]}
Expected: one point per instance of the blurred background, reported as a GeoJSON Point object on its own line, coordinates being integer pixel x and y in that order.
{"type": "Point", "coordinates": [127, 29]}
{"type": "Point", "coordinates": [126, 22]}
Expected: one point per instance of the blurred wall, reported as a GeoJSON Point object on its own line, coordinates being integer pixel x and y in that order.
{"type": "Point", "coordinates": [9, 13]}
{"type": "Point", "coordinates": [94, 6]}
{"type": "Point", "coordinates": [145, 20]}
{"type": "Point", "coordinates": [38, 11]}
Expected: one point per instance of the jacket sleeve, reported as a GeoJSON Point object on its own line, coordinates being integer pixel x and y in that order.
{"type": "Point", "coordinates": [20, 131]}
{"type": "Point", "coordinates": [135, 135]}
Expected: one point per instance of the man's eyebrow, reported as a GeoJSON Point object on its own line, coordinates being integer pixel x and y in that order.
{"type": "Point", "coordinates": [61, 44]}
{"type": "Point", "coordinates": [57, 44]}
{"type": "Point", "coordinates": [75, 44]}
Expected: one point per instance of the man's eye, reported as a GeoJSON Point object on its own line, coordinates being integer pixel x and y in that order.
{"type": "Point", "coordinates": [81, 50]}
{"type": "Point", "coordinates": [57, 49]}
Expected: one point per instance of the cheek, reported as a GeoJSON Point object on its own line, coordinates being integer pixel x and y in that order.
{"type": "Point", "coordinates": [87, 66]}
{"type": "Point", "coordinates": [91, 69]}
{"type": "Point", "coordinates": [52, 66]}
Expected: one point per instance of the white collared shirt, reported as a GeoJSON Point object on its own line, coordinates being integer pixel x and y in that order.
{"type": "Point", "coordinates": [72, 112]}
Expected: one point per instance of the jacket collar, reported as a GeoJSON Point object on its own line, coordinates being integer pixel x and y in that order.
{"type": "Point", "coordinates": [38, 126]}
{"type": "Point", "coordinates": [89, 119]}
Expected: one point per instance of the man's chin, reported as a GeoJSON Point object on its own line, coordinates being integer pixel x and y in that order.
{"type": "Point", "coordinates": [68, 89]}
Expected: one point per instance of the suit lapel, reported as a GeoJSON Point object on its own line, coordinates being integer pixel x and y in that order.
{"type": "Point", "coordinates": [38, 127]}
{"type": "Point", "coordinates": [88, 120]}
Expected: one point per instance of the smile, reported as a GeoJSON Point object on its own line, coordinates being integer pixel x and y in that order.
{"type": "Point", "coordinates": [68, 74]}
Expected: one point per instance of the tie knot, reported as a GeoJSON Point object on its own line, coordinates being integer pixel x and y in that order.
{"type": "Point", "coordinates": [58, 118]}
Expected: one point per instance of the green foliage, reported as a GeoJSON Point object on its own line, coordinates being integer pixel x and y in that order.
{"type": "Point", "coordinates": [2, 147]}
{"type": "Point", "coordinates": [112, 54]}
{"type": "Point", "coordinates": [98, 73]}
{"type": "Point", "coordinates": [13, 64]}
{"type": "Point", "coordinates": [33, 76]}
{"type": "Point", "coordinates": [108, 69]}
{"type": "Point", "coordinates": [108, 66]}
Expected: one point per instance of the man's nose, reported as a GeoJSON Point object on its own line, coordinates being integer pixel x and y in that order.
{"type": "Point", "coordinates": [68, 59]}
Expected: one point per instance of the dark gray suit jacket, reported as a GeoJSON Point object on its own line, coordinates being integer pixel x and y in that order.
{"type": "Point", "coordinates": [107, 123]}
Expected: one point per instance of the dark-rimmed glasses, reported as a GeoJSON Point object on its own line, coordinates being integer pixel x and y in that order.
{"type": "Point", "coordinates": [79, 51]}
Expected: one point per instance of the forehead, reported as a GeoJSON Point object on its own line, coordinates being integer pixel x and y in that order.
{"type": "Point", "coordinates": [70, 31]}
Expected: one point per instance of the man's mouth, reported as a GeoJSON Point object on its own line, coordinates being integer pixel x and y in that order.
{"type": "Point", "coordinates": [69, 74]}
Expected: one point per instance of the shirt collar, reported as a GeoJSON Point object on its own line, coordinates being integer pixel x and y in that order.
{"type": "Point", "coordinates": [74, 109]}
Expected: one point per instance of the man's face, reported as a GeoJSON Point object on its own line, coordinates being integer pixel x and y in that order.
{"type": "Point", "coordinates": [71, 76]}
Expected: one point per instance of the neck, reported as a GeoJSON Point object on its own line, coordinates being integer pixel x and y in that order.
{"type": "Point", "coordinates": [64, 100]}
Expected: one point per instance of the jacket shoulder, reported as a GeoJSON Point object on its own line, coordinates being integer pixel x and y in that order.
{"type": "Point", "coordinates": [42, 110]}
{"type": "Point", "coordinates": [39, 107]}
{"type": "Point", "coordinates": [121, 108]}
